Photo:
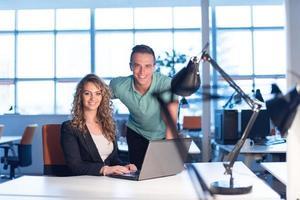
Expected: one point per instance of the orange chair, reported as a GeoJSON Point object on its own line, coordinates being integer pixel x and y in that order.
{"type": "Point", "coordinates": [1, 129]}
{"type": "Point", "coordinates": [54, 161]}
{"type": "Point", "coordinates": [24, 156]}
{"type": "Point", "coordinates": [192, 123]}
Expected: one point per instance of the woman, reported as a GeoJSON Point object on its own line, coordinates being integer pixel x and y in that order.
{"type": "Point", "coordinates": [88, 140]}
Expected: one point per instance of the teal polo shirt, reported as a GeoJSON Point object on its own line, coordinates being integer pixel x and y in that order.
{"type": "Point", "coordinates": [145, 113]}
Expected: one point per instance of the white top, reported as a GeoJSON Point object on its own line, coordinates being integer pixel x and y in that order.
{"type": "Point", "coordinates": [277, 169]}
{"type": "Point", "coordinates": [104, 146]}
{"type": "Point", "coordinates": [276, 148]}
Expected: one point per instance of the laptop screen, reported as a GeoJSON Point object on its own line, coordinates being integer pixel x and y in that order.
{"type": "Point", "coordinates": [165, 158]}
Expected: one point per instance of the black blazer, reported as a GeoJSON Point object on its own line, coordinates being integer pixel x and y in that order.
{"type": "Point", "coordinates": [81, 153]}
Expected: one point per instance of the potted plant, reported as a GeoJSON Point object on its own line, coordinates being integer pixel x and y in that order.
{"type": "Point", "coordinates": [167, 61]}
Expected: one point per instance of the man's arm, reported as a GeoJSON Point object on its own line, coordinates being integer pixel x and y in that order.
{"type": "Point", "coordinates": [112, 86]}
{"type": "Point", "coordinates": [172, 108]}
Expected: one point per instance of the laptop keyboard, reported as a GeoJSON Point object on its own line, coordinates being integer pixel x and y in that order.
{"type": "Point", "coordinates": [136, 173]}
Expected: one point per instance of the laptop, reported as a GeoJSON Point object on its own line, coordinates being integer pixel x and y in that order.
{"type": "Point", "coordinates": [162, 158]}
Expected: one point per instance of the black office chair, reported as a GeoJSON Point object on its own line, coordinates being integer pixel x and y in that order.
{"type": "Point", "coordinates": [24, 155]}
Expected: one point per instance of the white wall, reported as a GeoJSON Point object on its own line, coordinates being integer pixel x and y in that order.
{"type": "Point", "coordinates": [293, 59]}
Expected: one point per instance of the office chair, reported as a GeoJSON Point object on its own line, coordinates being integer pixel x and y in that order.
{"type": "Point", "coordinates": [24, 156]}
{"type": "Point", "coordinates": [1, 129]}
{"type": "Point", "coordinates": [192, 123]}
{"type": "Point", "coordinates": [54, 161]}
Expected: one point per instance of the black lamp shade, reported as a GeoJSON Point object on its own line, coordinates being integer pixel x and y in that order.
{"type": "Point", "coordinates": [187, 80]}
{"type": "Point", "coordinates": [282, 109]}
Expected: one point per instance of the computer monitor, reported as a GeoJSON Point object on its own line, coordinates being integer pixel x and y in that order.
{"type": "Point", "coordinates": [261, 126]}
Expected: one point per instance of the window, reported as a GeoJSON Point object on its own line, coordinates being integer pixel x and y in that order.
{"type": "Point", "coordinates": [73, 19]}
{"type": "Point", "coordinates": [45, 52]}
{"type": "Point", "coordinates": [7, 55]}
{"type": "Point", "coordinates": [234, 51]}
{"type": "Point", "coordinates": [35, 97]}
{"type": "Point", "coordinates": [7, 20]}
{"type": "Point", "coordinates": [114, 18]}
{"type": "Point", "coordinates": [7, 96]}
{"type": "Point", "coordinates": [112, 53]}
{"type": "Point", "coordinates": [35, 20]}
{"type": "Point", "coordinates": [269, 53]}
{"type": "Point", "coordinates": [250, 44]}
{"type": "Point", "coordinates": [73, 54]}
{"type": "Point", "coordinates": [64, 96]}
{"type": "Point", "coordinates": [35, 55]}
{"type": "Point", "coordinates": [151, 18]}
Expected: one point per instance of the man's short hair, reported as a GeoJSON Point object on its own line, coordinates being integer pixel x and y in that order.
{"type": "Point", "coordinates": [141, 48]}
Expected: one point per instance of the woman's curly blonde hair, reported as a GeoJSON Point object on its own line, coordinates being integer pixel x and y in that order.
{"type": "Point", "coordinates": [104, 112]}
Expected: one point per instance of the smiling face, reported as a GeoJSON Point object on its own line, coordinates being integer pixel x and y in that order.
{"type": "Point", "coordinates": [91, 97]}
{"type": "Point", "coordinates": [142, 66]}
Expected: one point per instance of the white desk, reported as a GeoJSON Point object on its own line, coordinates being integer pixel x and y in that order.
{"type": "Point", "coordinates": [93, 187]}
{"type": "Point", "coordinates": [255, 152]}
{"type": "Point", "coordinates": [9, 139]}
{"type": "Point", "coordinates": [277, 169]}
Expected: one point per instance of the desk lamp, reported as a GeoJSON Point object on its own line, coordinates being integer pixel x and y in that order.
{"type": "Point", "coordinates": [183, 103]}
{"type": "Point", "coordinates": [221, 187]}
{"type": "Point", "coordinates": [185, 83]}
{"type": "Point", "coordinates": [283, 108]}
{"type": "Point", "coordinates": [199, 184]}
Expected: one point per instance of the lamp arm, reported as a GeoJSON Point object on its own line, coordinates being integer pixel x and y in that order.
{"type": "Point", "coordinates": [232, 156]}
{"type": "Point", "coordinates": [205, 56]}
{"type": "Point", "coordinates": [168, 117]}
{"type": "Point", "coordinates": [254, 105]}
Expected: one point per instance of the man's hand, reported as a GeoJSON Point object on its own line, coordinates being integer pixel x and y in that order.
{"type": "Point", "coordinates": [172, 108]}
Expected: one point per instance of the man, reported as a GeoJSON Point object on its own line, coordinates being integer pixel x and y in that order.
{"type": "Point", "coordinates": [146, 122]}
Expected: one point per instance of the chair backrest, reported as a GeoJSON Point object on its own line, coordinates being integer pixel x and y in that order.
{"type": "Point", "coordinates": [1, 129]}
{"type": "Point", "coordinates": [192, 122]}
{"type": "Point", "coordinates": [25, 146]}
{"type": "Point", "coordinates": [28, 134]}
{"type": "Point", "coordinates": [54, 161]}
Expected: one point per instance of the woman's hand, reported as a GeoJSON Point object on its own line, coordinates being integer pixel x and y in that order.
{"type": "Point", "coordinates": [117, 169]}
{"type": "Point", "coordinates": [131, 167]}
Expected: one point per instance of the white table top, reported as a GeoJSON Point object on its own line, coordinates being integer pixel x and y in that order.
{"type": "Point", "coordinates": [277, 169]}
{"type": "Point", "coordinates": [93, 187]}
{"type": "Point", "coordinates": [276, 148]}
{"type": "Point", "coordinates": [192, 150]}
{"type": "Point", "coordinates": [9, 139]}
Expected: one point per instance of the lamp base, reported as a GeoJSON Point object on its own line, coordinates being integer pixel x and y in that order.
{"type": "Point", "coordinates": [224, 187]}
